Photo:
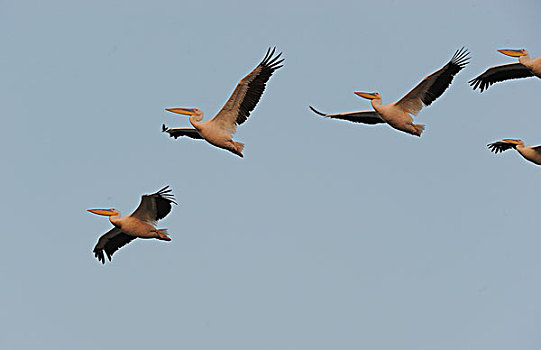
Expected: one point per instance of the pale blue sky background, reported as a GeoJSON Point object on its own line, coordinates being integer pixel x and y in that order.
{"type": "Point", "coordinates": [327, 235]}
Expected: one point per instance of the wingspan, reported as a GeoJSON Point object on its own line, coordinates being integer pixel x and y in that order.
{"type": "Point", "coordinates": [434, 85]}
{"type": "Point", "coordinates": [365, 117]}
{"type": "Point", "coordinates": [248, 92]}
{"type": "Point", "coordinates": [500, 73]}
{"type": "Point", "coordinates": [110, 242]}
{"type": "Point", "coordinates": [179, 132]}
{"type": "Point", "coordinates": [154, 207]}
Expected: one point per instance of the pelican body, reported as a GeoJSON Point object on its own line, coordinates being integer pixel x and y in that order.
{"type": "Point", "coordinates": [133, 226]}
{"type": "Point", "coordinates": [392, 114]}
{"type": "Point", "coordinates": [140, 224]}
{"type": "Point", "coordinates": [526, 67]}
{"type": "Point", "coordinates": [398, 114]}
{"type": "Point", "coordinates": [219, 130]}
{"type": "Point", "coordinates": [531, 153]}
{"type": "Point", "coordinates": [217, 135]}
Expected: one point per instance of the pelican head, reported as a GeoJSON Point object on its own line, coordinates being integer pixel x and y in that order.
{"type": "Point", "coordinates": [513, 52]}
{"type": "Point", "coordinates": [185, 111]}
{"type": "Point", "coordinates": [104, 212]}
{"type": "Point", "coordinates": [369, 95]}
{"type": "Point", "coordinates": [517, 142]}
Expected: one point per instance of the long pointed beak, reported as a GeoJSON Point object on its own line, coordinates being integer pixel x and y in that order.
{"type": "Point", "coordinates": [104, 212]}
{"type": "Point", "coordinates": [514, 142]}
{"type": "Point", "coordinates": [367, 95]}
{"type": "Point", "coordinates": [185, 111]}
{"type": "Point", "coordinates": [512, 52]}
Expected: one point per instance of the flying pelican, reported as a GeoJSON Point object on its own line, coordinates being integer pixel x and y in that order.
{"type": "Point", "coordinates": [219, 130]}
{"type": "Point", "coordinates": [397, 114]}
{"type": "Point", "coordinates": [526, 67]}
{"type": "Point", "coordinates": [139, 224]}
{"type": "Point", "coordinates": [531, 153]}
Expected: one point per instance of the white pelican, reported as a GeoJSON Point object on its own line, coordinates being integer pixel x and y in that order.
{"type": "Point", "coordinates": [398, 114]}
{"type": "Point", "coordinates": [526, 67]}
{"type": "Point", "coordinates": [139, 224]}
{"type": "Point", "coordinates": [531, 153]}
{"type": "Point", "coordinates": [219, 130]}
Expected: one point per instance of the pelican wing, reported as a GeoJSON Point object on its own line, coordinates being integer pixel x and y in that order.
{"type": "Point", "coordinates": [365, 117]}
{"type": "Point", "coordinates": [500, 73]}
{"type": "Point", "coordinates": [434, 85]}
{"type": "Point", "coordinates": [154, 207]}
{"type": "Point", "coordinates": [178, 132]}
{"type": "Point", "coordinates": [500, 146]}
{"type": "Point", "coordinates": [110, 242]}
{"type": "Point", "coordinates": [248, 92]}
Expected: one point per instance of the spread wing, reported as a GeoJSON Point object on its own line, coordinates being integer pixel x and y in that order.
{"type": "Point", "coordinates": [500, 73]}
{"type": "Point", "coordinates": [110, 242]}
{"type": "Point", "coordinates": [365, 117]}
{"type": "Point", "coordinates": [434, 85]}
{"type": "Point", "coordinates": [154, 207]}
{"type": "Point", "coordinates": [179, 132]}
{"type": "Point", "coordinates": [500, 146]}
{"type": "Point", "coordinates": [248, 92]}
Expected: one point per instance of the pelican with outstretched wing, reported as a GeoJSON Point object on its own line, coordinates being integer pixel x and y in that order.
{"type": "Point", "coordinates": [219, 130]}
{"type": "Point", "coordinates": [524, 68]}
{"type": "Point", "coordinates": [139, 224]}
{"type": "Point", "coordinates": [398, 114]}
{"type": "Point", "coordinates": [531, 153]}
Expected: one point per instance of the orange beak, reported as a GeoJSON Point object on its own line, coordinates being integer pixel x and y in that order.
{"type": "Point", "coordinates": [514, 142]}
{"type": "Point", "coordinates": [185, 111]}
{"type": "Point", "coordinates": [104, 212]}
{"type": "Point", "coordinates": [512, 52]}
{"type": "Point", "coordinates": [367, 95]}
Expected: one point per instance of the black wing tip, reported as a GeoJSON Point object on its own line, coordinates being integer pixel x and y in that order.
{"type": "Point", "coordinates": [270, 61]}
{"type": "Point", "coordinates": [500, 146]}
{"type": "Point", "coordinates": [461, 57]}
{"type": "Point", "coordinates": [478, 83]}
{"type": "Point", "coordinates": [168, 130]}
{"type": "Point", "coordinates": [166, 194]}
{"type": "Point", "coordinates": [98, 253]}
{"type": "Point", "coordinates": [493, 148]}
{"type": "Point", "coordinates": [269, 53]}
{"type": "Point", "coordinates": [316, 111]}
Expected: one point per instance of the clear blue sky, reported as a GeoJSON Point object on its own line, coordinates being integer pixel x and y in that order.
{"type": "Point", "coordinates": [327, 235]}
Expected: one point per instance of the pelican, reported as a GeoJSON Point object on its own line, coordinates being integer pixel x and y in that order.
{"type": "Point", "coordinates": [139, 224]}
{"type": "Point", "coordinates": [398, 114]}
{"type": "Point", "coordinates": [526, 67]}
{"type": "Point", "coordinates": [219, 130]}
{"type": "Point", "coordinates": [531, 153]}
